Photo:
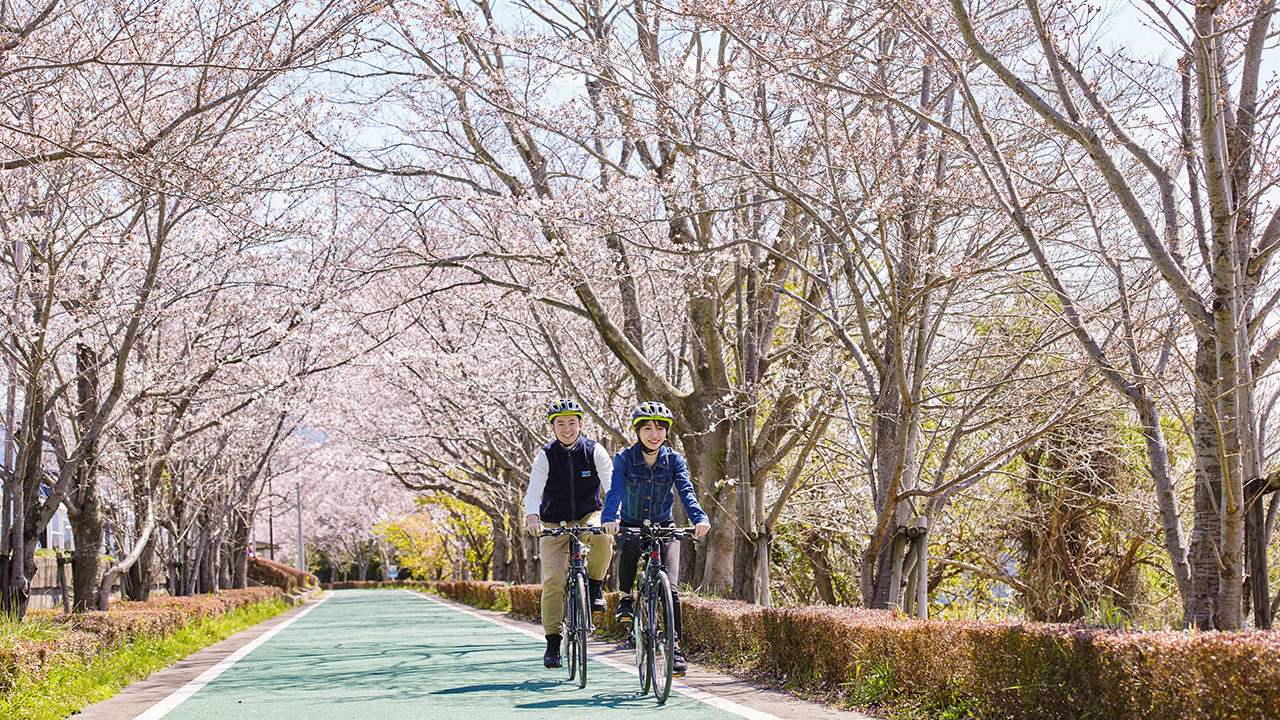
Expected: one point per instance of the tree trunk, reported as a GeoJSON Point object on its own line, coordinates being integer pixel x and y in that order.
{"type": "Point", "coordinates": [1259, 594]}
{"type": "Point", "coordinates": [193, 563]}
{"type": "Point", "coordinates": [502, 556]}
{"type": "Point", "coordinates": [814, 547]}
{"type": "Point", "coordinates": [141, 575]}
{"type": "Point", "coordinates": [744, 536]}
{"type": "Point", "coordinates": [1201, 605]}
{"type": "Point", "coordinates": [224, 566]}
{"type": "Point", "coordinates": [25, 531]}
{"type": "Point", "coordinates": [122, 567]}
{"type": "Point", "coordinates": [209, 560]}
{"type": "Point", "coordinates": [86, 568]}
{"type": "Point", "coordinates": [240, 551]}
{"type": "Point", "coordinates": [86, 521]}
{"type": "Point", "coordinates": [705, 455]}
{"type": "Point", "coordinates": [878, 560]}
{"type": "Point", "coordinates": [1231, 528]}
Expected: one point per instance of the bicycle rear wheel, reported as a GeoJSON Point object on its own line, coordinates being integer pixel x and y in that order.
{"type": "Point", "coordinates": [640, 631]}
{"type": "Point", "coordinates": [579, 630]}
{"type": "Point", "coordinates": [662, 637]}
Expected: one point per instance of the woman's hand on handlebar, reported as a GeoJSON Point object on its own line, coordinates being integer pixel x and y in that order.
{"type": "Point", "coordinates": [611, 527]}
{"type": "Point", "coordinates": [701, 529]}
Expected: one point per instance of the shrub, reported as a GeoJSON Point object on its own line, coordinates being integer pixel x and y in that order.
{"type": "Point", "coordinates": [987, 669]}
{"type": "Point", "coordinates": [491, 595]}
{"type": "Point", "coordinates": [526, 601]}
{"type": "Point", "coordinates": [1005, 669]}
{"type": "Point", "coordinates": [380, 584]}
{"type": "Point", "coordinates": [47, 638]}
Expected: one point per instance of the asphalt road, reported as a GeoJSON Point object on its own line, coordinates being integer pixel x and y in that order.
{"type": "Point", "coordinates": [388, 654]}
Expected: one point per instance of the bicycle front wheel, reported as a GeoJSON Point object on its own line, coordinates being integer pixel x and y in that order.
{"type": "Point", "coordinates": [579, 630]}
{"type": "Point", "coordinates": [569, 635]}
{"type": "Point", "coordinates": [640, 632]}
{"type": "Point", "coordinates": [662, 639]}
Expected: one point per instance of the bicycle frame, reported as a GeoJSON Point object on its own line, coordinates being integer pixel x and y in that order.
{"type": "Point", "coordinates": [577, 617]}
{"type": "Point", "coordinates": [653, 624]}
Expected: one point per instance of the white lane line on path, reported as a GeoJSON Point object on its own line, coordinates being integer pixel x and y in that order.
{"type": "Point", "coordinates": [165, 706]}
{"type": "Point", "coordinates": [702, 696]}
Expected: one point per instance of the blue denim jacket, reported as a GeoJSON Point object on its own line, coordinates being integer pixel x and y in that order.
{"type": "Point", "coordinates": [644, 493]}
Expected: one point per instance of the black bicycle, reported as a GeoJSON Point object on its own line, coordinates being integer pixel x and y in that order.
{"type": "Point", "coordinates": [577, 611]}
{"type": "Point", "coordinates": [653, 623]}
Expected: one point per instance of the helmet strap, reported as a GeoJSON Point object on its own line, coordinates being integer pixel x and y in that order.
{"type": "Point", "coordinates": [645, 449]}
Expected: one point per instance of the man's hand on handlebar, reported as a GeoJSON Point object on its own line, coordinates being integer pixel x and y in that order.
{"type": "Point", "coordinates": [701, 529]}
{"type": "Point", "coordinates": [534, 523]}
{"type": "Point", "coordinates": [611, 527]}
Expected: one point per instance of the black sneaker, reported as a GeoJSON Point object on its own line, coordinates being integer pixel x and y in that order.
{"type": "Point", "coordinates": [625, 610]}
{"type": "Point", "coordinates": [551, 658]}
{"type": "Point", "coordinates": [597, 597]}
{"type": "Point", "coordinates": [678, 665]}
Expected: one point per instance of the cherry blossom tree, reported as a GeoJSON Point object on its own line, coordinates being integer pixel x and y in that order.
{"type": "Point", "coordinates": [117, 112]}
{"type": "Point", "coordinates": [344, 501]}
{"type": "Point", "coordinates": [1171, 159]}
{"type": "Point", "coordinates": [592, 201]}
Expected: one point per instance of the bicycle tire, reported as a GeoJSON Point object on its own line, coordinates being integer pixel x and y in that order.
{"type": "Point", "coordinates": [662, 638]}
{"type": "Point", "coordinates": [580, 628]}
{"type": "Point", "coordinates": [569, 641]}
{"type": "Point", "coordinates": [640, 630]}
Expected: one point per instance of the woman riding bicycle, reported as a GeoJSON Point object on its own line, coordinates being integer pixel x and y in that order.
{"type": "Point", "coordinates": [648, 475]}
{"type": "Point", "coordinates": [568, 478]}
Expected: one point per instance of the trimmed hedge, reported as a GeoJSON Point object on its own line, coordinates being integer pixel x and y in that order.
{"type": "Point", "coordinates": [1007, 669]}
{"type": "Point", "coordinates": [379, 585]}
{"type": "Point", "coordinates": [285, 577]}
{"type": "Point", "coordinates": [489, 595]}
{"type": "Point", "coordinates": [80, 636]}
{"type": "Point", "coordinates": [1002, 669]}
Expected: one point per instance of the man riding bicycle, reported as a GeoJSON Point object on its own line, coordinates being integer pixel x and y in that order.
{"type": "Point", "coordinates": [648, 476]}
{"type": "Point", "coordinates": [569, 479]}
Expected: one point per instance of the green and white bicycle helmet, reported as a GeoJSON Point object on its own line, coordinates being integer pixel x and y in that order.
{"type": "Point", "coordinates": [650, 411]}
{"type": "Point", "coordinates": [564, 406]}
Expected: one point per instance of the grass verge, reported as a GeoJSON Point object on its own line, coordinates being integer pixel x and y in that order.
{"type": "Point", "coordinates": [70, 687]}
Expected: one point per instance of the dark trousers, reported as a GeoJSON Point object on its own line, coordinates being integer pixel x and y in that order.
{"type": "Point", "coordinates": [629, 556]}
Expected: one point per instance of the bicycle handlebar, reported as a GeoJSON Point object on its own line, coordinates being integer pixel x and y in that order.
{"type": "Point", "coordinates": [658, 532]}
{"type": "Point", "coordinates": [581, 530]}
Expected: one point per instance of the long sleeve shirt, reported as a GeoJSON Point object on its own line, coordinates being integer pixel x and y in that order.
{"type": "Point", "coordinates": [542, 467]}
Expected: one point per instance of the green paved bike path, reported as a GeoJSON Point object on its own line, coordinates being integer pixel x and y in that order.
{"type": "Point", "coordinates": [386, 655]}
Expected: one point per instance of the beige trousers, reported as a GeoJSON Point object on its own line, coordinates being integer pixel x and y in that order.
{"type": "Point", "coordinates": [554, 551]}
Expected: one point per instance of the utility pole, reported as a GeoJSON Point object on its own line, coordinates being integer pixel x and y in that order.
{"type": "Point", "coordinates": [271, 521]}
{"type": "Point", "coordinates": [302, 553]}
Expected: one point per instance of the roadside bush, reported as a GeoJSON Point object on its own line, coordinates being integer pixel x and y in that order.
{"type": "Point", "coordinates": [526, 601]}
{"type": "Point", "coordinates": [1007, 670]}
{"type": "Point", "coordinates": [997, 670]}
{"type": "Point", "coordinates": [379, 585]}
{"type": "Point", "coordinates": [490, 594]}
{"type": "Point", "coordinates": [48, 638]}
